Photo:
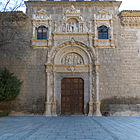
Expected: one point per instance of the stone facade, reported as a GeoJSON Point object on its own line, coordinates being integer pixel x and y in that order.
{"type": "Point", "coordinates": [109, 67]}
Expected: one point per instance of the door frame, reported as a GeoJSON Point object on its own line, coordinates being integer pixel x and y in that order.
{"type": "Point", "coordinates": [59, 77]}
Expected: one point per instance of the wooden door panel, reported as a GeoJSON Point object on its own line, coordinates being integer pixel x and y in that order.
{"type": "Point", "coordinates": [72, 95]}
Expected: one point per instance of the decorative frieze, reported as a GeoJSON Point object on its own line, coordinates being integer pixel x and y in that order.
{"type": "Point", "coordinates": [130, 18]}
{"type": "Point", "coordinates": [103, 15]}
{"type": "Point", "coordinates": [41, 16]}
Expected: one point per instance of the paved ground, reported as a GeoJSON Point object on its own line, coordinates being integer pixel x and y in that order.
{"type": "Point", "coordinates": [70, 128]}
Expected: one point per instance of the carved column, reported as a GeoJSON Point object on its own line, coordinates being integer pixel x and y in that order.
{"type": "Point", "coordinates": [50, 28]}
{"type": "Point", "coordinates": [90, 26]}
{"type": "Point", "coordinates": [111, 33]}
{"type": "Point", "coordinates": [97, 111]}
{"type": "Point", "coordinates": [50, 32]}
{"type": "Point", "coordinates": [34, 32]}
{"type": "Point", "coordinates": [95, 27]}
{"type": "Point", "coordinates": [111, 29]}
{"type": "Point", "coordinates": [90, 34]}
{"type": "Point", "coordinates": [55, 26]}
{"type": "Point", "coordinates": [50, 105]}
{"type": "Point", "coordinates": [91, 92]}
{"type": "Point", "coordinates": [54, 95]}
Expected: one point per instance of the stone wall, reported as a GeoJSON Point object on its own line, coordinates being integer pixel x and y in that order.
{"type": "Point", "coordinates": [26, 63]}
{"type": "Point", "coordinates": [119, 65]}
{"type": "Point", "coordinates": [120, 75]}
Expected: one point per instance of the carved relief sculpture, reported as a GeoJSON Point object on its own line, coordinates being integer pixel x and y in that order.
{"type": "Point", "coordinates": [73, 22]}
{"type": "Point", "coordinates": [72, 59]}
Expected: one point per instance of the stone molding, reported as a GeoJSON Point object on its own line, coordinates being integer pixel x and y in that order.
{"type": "Point", "coordinates": [130, 18]}
{"type": "Point", "coordinates": [104, 43]}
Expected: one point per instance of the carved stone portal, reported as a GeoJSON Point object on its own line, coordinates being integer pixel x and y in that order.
{"type": "Point", "coordinates": [72, 59]}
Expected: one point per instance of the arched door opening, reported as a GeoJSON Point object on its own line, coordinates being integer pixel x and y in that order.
{"type": "Point", "coordinates": [72, 96]}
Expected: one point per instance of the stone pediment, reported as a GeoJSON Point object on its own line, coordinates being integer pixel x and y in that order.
{"type": "Point", "coordinates": [102, 15]}
{"type": "Point", "coordinates": [42, 12]}
{"type": "Point", "coordinates": [72, 12]}
{"type": "Point", "coordinates": [102, 12]}
{"type": "Point", "coordinates": [41, 15]}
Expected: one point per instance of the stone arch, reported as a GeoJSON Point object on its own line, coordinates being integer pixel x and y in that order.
{"type": "Point", "coordinates": [67, 46]}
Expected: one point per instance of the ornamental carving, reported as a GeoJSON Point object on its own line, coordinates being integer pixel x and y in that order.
{"type": "Point", "coordinates": [73, 22]}
{"type": "Point", "coordinates": [103, 15]}
{"type": "Point", "coordinates": [130, 18]}
{"type": "Point", "coordinates": [73, 11]}
{"type": "Point", "coordinates": [72, 59]}
{"type": "Point", "coordinates": [41, 15]}
{"type": "Point", "coordinates": [130, 21]}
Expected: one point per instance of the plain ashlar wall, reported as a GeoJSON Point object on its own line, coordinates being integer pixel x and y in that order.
{"type": "Point", "coordinates": [120, 72]}
{"type": "Point", "coordinates": [27, 64]}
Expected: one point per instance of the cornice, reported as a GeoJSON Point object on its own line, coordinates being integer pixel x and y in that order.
{"type": "Point", "coordinates": [75, 3]}
{"type": "Point", "coordinates": [130, 18]}
{"type": "Point", "coordinates": [130, 13]}
{"type": "Point", "coordinates": [73, 34]}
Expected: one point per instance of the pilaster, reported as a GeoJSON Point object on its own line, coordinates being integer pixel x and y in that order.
{"type": "Point", "coordinates": [97, 111]}
{"type": "Point", "coordinates": [50, 105]}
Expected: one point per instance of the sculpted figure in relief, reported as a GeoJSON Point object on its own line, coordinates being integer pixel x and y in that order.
{"type": "Point", "coordinates": [72, 59]}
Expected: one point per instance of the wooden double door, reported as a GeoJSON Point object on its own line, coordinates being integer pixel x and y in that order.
{"type": "Point", "coordinates": [72, 96]}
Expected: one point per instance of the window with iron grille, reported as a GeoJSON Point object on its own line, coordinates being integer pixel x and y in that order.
{"type": "Point", "coordinates": [42, 33]}
{"type": "Point", "coordinates": [102, 32]}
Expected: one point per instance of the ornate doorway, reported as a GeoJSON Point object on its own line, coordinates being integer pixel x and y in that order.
{"type": "Point", "coordinates": [72, 59]}
{"type": "Point", "coordinates": [72, 96]}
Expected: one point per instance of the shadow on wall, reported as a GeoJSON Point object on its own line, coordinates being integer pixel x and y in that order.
{"type": "Point", "coordinates": [120, 106]}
